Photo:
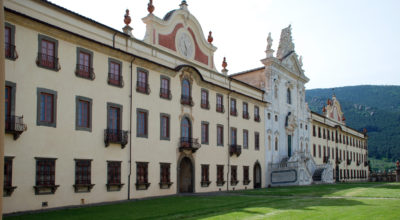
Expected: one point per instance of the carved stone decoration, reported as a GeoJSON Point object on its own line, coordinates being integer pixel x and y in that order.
{"type": "Point", "coordinates": [150, 7]}
{"type": "Point", "coordinates": [286, 44]}
{"type": "Point", "coordinates": [301, 61]}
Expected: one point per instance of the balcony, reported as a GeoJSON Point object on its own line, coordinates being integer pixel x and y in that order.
{"type": "Point", "coordinates": [191, 144]}
{"type": "Point", "coordinates": [366, 163]}
{"type": "Point", "coordinates": [246, 115]}
{"type": "Point", "coordinates": [338, 161]}
{"type": "Point", "coordinates": [348, 161]}
{"type": "Point", "coordinates": [142, 87]}
{"type": "Point", "coordinates": [115, 136]}
{"type": "Point", "coordinates": [220, 108]}
{"type": "Point", "coordinates": [257, 118]}
{"type": "Point", "coordinates": [235, 149]}
{"type": "Point", "coordinates": [186, 100]}
{"type": "Point", "coordinates": [84, 72]}
{"type": "Point", "coordinates": [325, 159]}
{"type": "Point", "coordinates": [358, 163]}
{"type": "Point", "coordinates": [115, 80]}
{"type": "Point", "coordinates": [48, 62]}
{"type": "Point", "coordinates": [15, 125]}
{"type": "Point", "coordinates": [10, 51]}
{"type": "Point", "coordinates": [233, 112]}
{"type": "Point", "coordinates": [205, 104]}
{"type": "Point", "coordinates": [165, 93]}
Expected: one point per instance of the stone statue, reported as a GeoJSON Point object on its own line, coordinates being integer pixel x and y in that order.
{"type": "Point", "coordinates": [301, 61]}
{"type": "Point", "coordinates": [269, 40]}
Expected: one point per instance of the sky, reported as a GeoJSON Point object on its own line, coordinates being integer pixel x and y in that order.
{"type": "Point", "coordinates": [343, 42]}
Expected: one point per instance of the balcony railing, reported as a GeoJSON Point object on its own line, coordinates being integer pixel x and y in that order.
{"type": "Point", "coordinates": [15, 125]}
{"type": "Point", "coordinates": [186, 100]}
{"type": "Point", "coordinates": [187, 143]}
{"type": "Point", "coordinates": [358, 163]}
{"type": "Point", "coordinates": [235, 149]}
{"type": "Point", "coordinates": [338, 161]}
{"type": "Point", "coordinates": [142, 87]}
{"type": "Point", "coordinates": [84, 72]}
{"type": "Point", "coordinates": [366, 163]}
{"type": "Point", "coordinates": [220, 108]}
{"type": "Point", "coordinates": [165, 93]}
{"type": "Point", "coordinates": [10, 51]}
{"type": "Point", "coordinates": [47, 61]}
{"type": "Point", "coordinates": [325, 159]}
{"type": "Point", "coordinates": [205, 104]}
{"type": "Point", "coordinates": [115, 79]}
{"type": "Point", "coordinates": [233, 112]}
{"type": "Point", "coordinates": [348, 161]}
{"type": "Point", "coordinates": [246, 115]}
{"type": "Point", "coordinates": [115, 136]}
{"type": "Point", "coordinates": [257, 118]}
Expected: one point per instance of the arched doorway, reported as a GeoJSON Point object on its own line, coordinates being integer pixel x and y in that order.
{"type": "Point", "coordinates": [257, 175]}
{"type": "Point", "coordinates": [185, 176]}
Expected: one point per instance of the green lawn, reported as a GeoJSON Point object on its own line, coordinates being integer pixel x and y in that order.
{"type": "Point", "coordinates": [338, 201]}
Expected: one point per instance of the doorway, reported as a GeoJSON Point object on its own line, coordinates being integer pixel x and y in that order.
{"type": "Point", "coordinates": [185, 178]}
{"type": "Point", "coordinates": [257, 175]}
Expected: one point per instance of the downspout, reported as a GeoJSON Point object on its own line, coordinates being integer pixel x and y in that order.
{"type": "Point", "coordinates": [229, 140]}
{"type": "Point", "coordinates": [130, 131]}
{"type": "Point", "coordinates": [114, 39]}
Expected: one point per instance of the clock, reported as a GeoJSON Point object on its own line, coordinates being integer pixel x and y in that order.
{"type": "Point", "coordinates": [185, 45]}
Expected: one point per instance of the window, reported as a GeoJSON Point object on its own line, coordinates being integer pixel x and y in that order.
{"type": "Point", "coordinates": [220, 175]}
{"type": "Point", "coordinates": [319, 132]}
{"type": "Point", "coordinates": [220, 103]}
{"type": "Point", "coordinates": [220, 135]}
{"type": "Point", "coordinates": [319, 151]}
{"type": "Point", "coordinates": [257, 141]}
{"type": "Point", "coordinates": [142, 182]}
{"type": "Point", "coordinates": [9, 40]}
{"type": "Point", "coordinates": [83, 113]}
{"type": "Point", "coordinates": [165, 91]}
{"type": "Point", "coordinates": [233, 107]}
{"type": "Point", "coordinates": [114, 133]}
{"type": "Point", "coordinates": [83, 182]}
{"type": "Point", "coordinates": [245, 139]}
{"type": "Point", "coordinates": [328, 134]}
{"type": "Point", "coordinates": [234, 180]}
{"type": "Point", "coordinates": [186, 133]}
{"type": "Point", "coordinates": [257, 114]}
{"type": "Point", "coordinates": [142, 122]}
{"type": "Point", "coordinates": [205, 175]}
{"type": "Point", "coordinates": [84, 63]}
{"type": "Point", "coordinates": [204, 99]}
{"type": "Point", "coordinates": [164, 126]}
{"type": "Point", "coordinates": [45, 176]}
{"type": "Point", "coordinates": [8, 189]}
{"type": "Point", "coordinates": [246, 179]}
{"type": "Point", "coordinates": [13, 124]}
{"type": "Point", "coordinates": [276, 117]}
{"type": "Point", "coordinates": [245, 110]}
{"type": "Point", "coordinates": [115, 73]}
{"type": "Point", "coordinates": [165, 180]}
{"type": "Point", "coordinates": [276, 143]}
{"type": "Point", "coordinates": [233, 136]}
{"type": "Point", "coordinates": [269, 116]}
{"type": "Point", "coordinates": [204, 132]}
{"type": "Point", "coordinates": [323, 135]}
{"type": "Point", "coordinates": [288, 96]}
{"type": "Point", "coordinates": [142, 84]}
{"type": "Point", "coordinates": [314, 151]}
{"type": "Point", "coordinates": [114, 176]}
{"type": "Point", "coordinates": [47, 55]}
{"type": "Point", "coordinates": [186, 98]}
{"type": "Point", "coordinates": [46, 107]}
{"type": "Point", "coordinates": [314, 131]}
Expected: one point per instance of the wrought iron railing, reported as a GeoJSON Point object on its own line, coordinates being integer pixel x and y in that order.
{"type": "Point", "coordinates": [165, 93]}
{"type": "Point", "coordinates": [246, 115]}
{"type": "Point", "coordinates": [257, 118]}
{"type": "Point", "coordinates": [325, 159]}
{"type": "Point", "coordinates": [348, 161]}
{"type": "Point", "coordinates": [188, 143]}
{"type": "Point", "coordinates": [115, 136]}
{"type": "Point", "coordinates": [47, 61]}
{"type": "Point", "coordinates": [15, 125]}
{"type": "Point", "coordinates": [284, 165]}
{"type": "Point", "coordinates": [205, 104]}
{"type": "Point", "coordinates": [186, 100]}
{"type": "Point", "coordinates": [115, 79]}
{"type": "Point", "coordinates": [84, 71]}
{"type": "Point", "coordinates": [233, 112]}
{"type": "Point", "coordinates": [235, 149]}
{"type": "Point", "coordinates": [220, 108]}
{"type": "Point", "coordinates": [10, 51]}
{"type": "Point", "coordinates": [142, 87]}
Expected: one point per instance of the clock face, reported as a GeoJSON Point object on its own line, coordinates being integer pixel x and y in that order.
{"type": "Point", "coordinates": [185, 45]}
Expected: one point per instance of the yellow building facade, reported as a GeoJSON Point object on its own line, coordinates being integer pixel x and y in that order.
{"type": "Point", "coordinates": [97, 115]}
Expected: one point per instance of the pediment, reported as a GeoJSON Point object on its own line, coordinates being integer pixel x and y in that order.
{"type": "Point", "coordinates": [292, 62]}
{"type": "Point", "coordinates": [180, 34]}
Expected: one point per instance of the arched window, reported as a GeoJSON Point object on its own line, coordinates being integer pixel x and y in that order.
{"type": "Point", "coordinates": [288, 96]}
{"type": "Point", "coordinates": [185, 128]}
{"type": "Point", "coordinates": [185, 98]}
{"type": "Point", "coordinates": [276, 143]}
{"type": "Point", "coordinates": [269, 142]}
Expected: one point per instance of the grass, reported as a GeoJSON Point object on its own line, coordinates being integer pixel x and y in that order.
{"type": "Point", "coordinates": [337, 201]}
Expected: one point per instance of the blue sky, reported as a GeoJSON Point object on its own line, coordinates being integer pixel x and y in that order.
{"type": "Point", "coordinates": [343, 42]}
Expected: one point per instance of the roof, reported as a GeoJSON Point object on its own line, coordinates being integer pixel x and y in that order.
{"type": "Point", "coordinates": [316, 113]}
{"type": "Point", "coordinates": [168, 15]}
{"type": "Point", "coordinates": [247, 71]}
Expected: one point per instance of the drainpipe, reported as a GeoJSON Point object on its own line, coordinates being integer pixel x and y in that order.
{"type": "Point", "coordinates": [114, 39]}
{"type": "Point", "coordinates": [229, 140]}
{"type": "Point", "coordinates": [2, 79]}
{"type": "Point", "coordinates": [130, 131]}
